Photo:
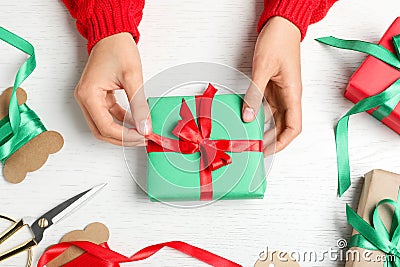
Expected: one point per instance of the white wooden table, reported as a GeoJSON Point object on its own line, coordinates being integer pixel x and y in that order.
{"type": "Point", "coordinates": [300, 211]}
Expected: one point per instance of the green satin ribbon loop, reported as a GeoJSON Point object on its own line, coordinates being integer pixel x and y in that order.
{"type": "Point", "coordinates": [30, 127]}
{"type": "Point", "coordinates": [22, 124]}
{"type": "Point", "coordinates": [24, 71]}
{"type": "Point", "coordinates": [341, 131]}
{"type": "Point", "coordinates": [396, 43]}
{"type": "Point", "coordinates": [375, 236]}
{"type": "Point", "coordinates": [385, 110]}
{"type": "Point", "coordinates": [372, 49]}
{"type": "Point", "coordinates": [385, 102]}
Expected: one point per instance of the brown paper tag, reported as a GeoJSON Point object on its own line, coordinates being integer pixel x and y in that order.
{"type": "Point", "coordinates": [277, 259]}
{"type": "Point", "coordinates": [95, 232]}
{"type": "Point", "coordinates": [33, 155]}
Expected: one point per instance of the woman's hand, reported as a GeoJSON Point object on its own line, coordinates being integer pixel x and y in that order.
{"type": "Point", "coordinates": [277, 77]}
{"type": "Point", "coordinates": [114, 63]}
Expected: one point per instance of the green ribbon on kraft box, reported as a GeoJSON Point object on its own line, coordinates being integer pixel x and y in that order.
{"type": "Point", "coordinates": [376, 236]}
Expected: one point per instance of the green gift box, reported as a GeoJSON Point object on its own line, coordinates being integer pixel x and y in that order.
{"type": "Point", "coordinates": [210, 155]}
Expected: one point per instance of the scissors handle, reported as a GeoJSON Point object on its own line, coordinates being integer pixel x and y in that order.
{"type": "Point", "coordinates": [10, 232]}
{"type": "Point", "coordinates": [21, 248]}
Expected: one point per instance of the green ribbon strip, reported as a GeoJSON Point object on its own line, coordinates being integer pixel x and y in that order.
{"type": "Point", "coordinates": [374, 50]}
{"type": "Point", "coordinates": [386, 101]}
{"type": "Point", "coordinates": [376, 236]}
{"type": "Point", "coordinates": [22, 124]}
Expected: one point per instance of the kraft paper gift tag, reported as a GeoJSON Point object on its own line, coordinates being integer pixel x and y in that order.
{"type": "Point", "coordinates": [96, 233]}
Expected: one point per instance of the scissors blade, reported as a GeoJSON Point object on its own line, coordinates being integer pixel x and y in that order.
{"type": "Point", "coordinates": [61, 211]}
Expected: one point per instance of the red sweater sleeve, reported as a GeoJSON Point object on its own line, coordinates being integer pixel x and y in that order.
{"type": "Point", "coordinates": [300, 12]}
{"type": "Point", "coordinates": [97, 19]}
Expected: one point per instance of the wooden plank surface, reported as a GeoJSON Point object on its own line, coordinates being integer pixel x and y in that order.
{"type": "Point", "coordinates": [300, 211]}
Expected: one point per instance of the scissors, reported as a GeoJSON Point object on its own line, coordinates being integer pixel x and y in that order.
{"type": "Point", "coordinates": [38, 226]}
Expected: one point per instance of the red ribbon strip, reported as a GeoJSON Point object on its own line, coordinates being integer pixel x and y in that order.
{"type": "Point", "coordinates": [195, 138]}
{"type": "Point", "coordinates": [103, 256]}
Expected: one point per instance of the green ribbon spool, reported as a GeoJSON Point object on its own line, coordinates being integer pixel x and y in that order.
{"type": "Point", "coordinates": [376, 236]}
{"type": "Point", "coordinates": [22, 124]}
{"type": "Point", "coordinates": [386, 101]}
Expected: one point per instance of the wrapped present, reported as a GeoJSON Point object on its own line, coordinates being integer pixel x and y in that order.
{"type": "Point", "coordinates": [375, 88]}
{"type": "Point", "coordinates": [374, 76]}
{"type": "Point", "coordinates": [214, 156]}
{"type": "Point", "coordinates": [376, 235]}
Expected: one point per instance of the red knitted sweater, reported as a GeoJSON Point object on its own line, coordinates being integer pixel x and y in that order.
{"type": "Point", "coordinates": [97, 19]}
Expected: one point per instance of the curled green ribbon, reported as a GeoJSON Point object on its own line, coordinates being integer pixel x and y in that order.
{"type": "Point", "coordinates": [22, 124]}
{"type": "Point", "coordinates": [386, 101]}
{"type": "Point", "coordinates": [376, 236]}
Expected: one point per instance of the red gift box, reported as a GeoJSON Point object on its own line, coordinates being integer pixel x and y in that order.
{"type": "Point", "coordinates": [374, 76]}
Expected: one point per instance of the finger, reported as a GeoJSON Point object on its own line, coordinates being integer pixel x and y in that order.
{"type": "Point", "coordinates": [252, 102]}
{"type": "Point", "coordinates": [268, 111]}
{"type": "Point", "coordinates": [97, 109]}
{"type": "Point", "coordinates": [290, 129]}
{"type": "Point", "coordinates": [138, 103]}
{"type": "Point", "coordinates": [255, 93]}
{"type": "Point", "coordinates": [96, 132]}
{"type": "Point", "coordinates": [117, 111]}
{"type": "Point", "coordinates": [140, 140]}
{"type": "Point", "coordinates": [271, 135]}
{"type": "Point", "coordinates": [120, 114]}
{"type": "Point", "coordinates": [269, 150]}
{"type": "Point", "coordinates": [269, 138]}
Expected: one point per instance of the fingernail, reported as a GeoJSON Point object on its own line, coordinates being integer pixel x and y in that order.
{"type": "Point", "coordinates": [248, 114]}
{"type": "Point", "coordinates": [144, 127]}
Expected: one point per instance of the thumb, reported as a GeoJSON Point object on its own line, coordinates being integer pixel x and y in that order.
{"type": "Point", "coordinates": [254, 96]}
{"type": "Point", "coordinates": [139, 107]}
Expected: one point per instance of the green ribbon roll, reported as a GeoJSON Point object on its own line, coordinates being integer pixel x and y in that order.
{"type": "Point", "coordinates": [22, 124]}
{"type": "Point", "coordinates": [386, 101]}
{"type": "Point", "coordinates": [376, 236]}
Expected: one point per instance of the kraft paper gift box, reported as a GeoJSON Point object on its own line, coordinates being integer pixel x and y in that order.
{"type": "Point", "coordinates": [175, 176]}
{"type": "Point", "coordinates": [374, 76]}
{"type": "Point", "coordinates": [378, 185]}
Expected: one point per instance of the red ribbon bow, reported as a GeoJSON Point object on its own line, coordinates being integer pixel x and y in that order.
{"type": "Point", "coordinates": [196, 138]}
{"type": "Point", "coordinates": [103, 256]}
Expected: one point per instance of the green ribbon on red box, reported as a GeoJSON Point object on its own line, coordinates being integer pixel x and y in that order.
{"type": "Point", "coordinates": [385, 102]}
{"type": "Point", "coordinates": [375, 236]}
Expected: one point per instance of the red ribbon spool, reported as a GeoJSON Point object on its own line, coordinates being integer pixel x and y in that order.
{"type": "Point", "coordinates": [103, 256]}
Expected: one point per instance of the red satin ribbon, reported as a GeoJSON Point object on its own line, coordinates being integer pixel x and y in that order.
{"type": "Point", "coordinates": [103, 256]}
{"type": "Point", "coordinates": [195, 138]}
